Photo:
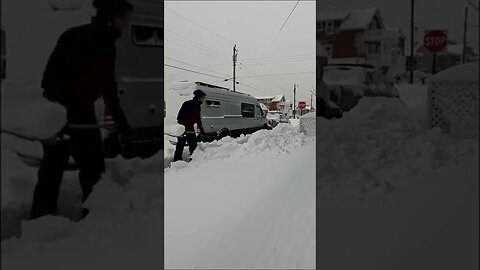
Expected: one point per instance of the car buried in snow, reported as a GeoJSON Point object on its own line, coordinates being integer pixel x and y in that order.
{"type": "Point", "coordinates": [224, 112]}
{"type": "Point", "coordinates": [348, 83]}
{"type": "Point", "coordinates": [276, 117]}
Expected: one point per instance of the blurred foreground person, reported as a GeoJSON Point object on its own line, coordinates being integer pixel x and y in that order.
{"type": "Point", "coordinates": [81, 70]}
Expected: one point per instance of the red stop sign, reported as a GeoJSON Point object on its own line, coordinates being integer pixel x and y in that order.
{"type": "Point", "coordinates": [302, 105]}
{"type": "Point", "coordinates": [435, 40]}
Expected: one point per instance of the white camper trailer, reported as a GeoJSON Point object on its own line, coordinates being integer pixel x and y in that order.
{"type": "Point", "coordinates": [139, 67]}
{"type": "Point", "coordinates": [224, 112]}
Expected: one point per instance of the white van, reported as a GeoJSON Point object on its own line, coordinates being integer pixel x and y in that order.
{"type": "Point", "coordinates": [224, 112]}
{"type": "Point", "coordinates": [139, 67]}
{"type": "Point", "coordinates": [140, 83]}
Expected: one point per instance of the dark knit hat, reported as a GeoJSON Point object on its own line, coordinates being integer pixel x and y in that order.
{"type": "Point", "coordinates": [199, 93]}
{"type": "Point", "coordinates": [108, 9]}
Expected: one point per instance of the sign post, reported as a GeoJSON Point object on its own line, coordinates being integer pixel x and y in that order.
{"type": "Point", "coordinates": [301, 106]}
{"type": "Point", "coordinates": [435, 41]}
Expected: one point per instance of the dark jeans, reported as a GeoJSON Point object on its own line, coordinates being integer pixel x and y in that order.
{"type": "Point", "coordinates": [191, 138]}
{"type": "Point", "coordinates": [85, 146]}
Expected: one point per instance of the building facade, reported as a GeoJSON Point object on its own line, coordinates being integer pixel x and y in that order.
{"type": "Point", "coordinates": [360, 37]}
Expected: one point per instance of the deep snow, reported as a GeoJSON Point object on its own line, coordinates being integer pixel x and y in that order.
{"type": "Point", "coordinates": [206, 210]}
{"type": "Point", "coordinates": [392, 194]}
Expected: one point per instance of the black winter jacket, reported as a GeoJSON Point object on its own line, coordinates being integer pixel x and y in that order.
{"type": "Point", "coordinates": [189, 115]}
{"type": "Point", "coordinates": [81, 69]}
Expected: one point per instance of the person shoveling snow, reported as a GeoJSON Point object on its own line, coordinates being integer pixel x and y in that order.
{"type": "Point", "coordinates": [188, 116]}
{"type": "Point", "coordinates": [80, 71]}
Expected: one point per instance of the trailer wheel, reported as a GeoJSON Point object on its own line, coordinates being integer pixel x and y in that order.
{"type": "Point", "coordinates": [223, 133]}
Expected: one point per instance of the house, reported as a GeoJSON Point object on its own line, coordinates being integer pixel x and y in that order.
{"type": "Point", "coordinates": [452, 56]}
{"type": "Point", "coordinates": [360, 36]}
{"type": "Point", "coordinates": [277, 103]}
{"type": "Point", "coordinates": [272, 102]}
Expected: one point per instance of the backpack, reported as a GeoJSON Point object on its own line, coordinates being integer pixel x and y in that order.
{"type": "Point", "coordinates": [61, 67]}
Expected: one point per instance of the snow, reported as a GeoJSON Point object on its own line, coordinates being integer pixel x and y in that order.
{"type": "Point", "coordinates": [461, 73]}
{"type": "Point", "coordinates": [389, 186]}
{"type": "Point", "coordinates": [359, 19]}
{"type": "Point", "coordinates": [392, 194]}
{"type": "Point", "coordinates": [267, 211]}
{"type": "Point", "coordinates": [268, 216]}
{"type": "Point", "coordinates": [36, 117]}
{"type": "Point", "coordinates": [275, 98]}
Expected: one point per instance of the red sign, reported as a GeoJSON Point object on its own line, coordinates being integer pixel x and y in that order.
{"type": "Point", "coordinates": [302, 105]}
{"type": "Point", "coordinates": [435, 40]}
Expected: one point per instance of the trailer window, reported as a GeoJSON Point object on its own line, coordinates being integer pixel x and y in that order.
{"type": "Point", "coordinates": [147, 36]}
{"type": "Point", "coordinates": [248, 110]}
{"type": "Point", "coordinates": [213, 103]}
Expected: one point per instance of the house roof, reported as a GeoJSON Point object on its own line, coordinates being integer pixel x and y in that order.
{"type": "Point", "coordinates": [275, 98]}
{"type": "Point", "coordinates": [360, 19]}
{"type": "Point", "coordinates": [356, 19]}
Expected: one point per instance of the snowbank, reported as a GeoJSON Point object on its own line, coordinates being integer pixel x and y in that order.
{"type": "Point", "coordinates": [377, 143]}
{"type": "Point", "coordinates": [27, 113]}
{"type": "Point", "coordinates": [267, 210]}
{"type": "Point", "coordinates": [243, 203]}
{"type": "Point", "coordinates": [460, 73]}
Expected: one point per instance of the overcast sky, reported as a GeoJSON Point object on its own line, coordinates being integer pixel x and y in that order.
{"type": "Point", "coordinates": [206, 45]}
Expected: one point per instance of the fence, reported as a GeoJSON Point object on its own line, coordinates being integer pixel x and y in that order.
{"type": "Point", "coordinates": [308, 124]}
{"type": "Point", "coordinates": [453, 106]}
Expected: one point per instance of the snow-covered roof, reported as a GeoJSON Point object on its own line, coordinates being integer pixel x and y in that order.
{"type": "Point", "coordinates": [360, 19]}
{"type": "Point", "coordinates": [275, 98]}
{"type": "Point", "coordinates": [461, 73]}
{"type": "Point", "coordinates": [264, 107]}
{"type": "Point", "coordinates": [456, 49]}
{"type": "Point", "coordinates": [332, 15]}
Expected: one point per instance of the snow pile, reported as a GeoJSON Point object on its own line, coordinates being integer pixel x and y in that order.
{"type": "Point", "coordinates": [460, 73]}
{"type": "Point", "coordinates": [27, 113]}
{"type": "Point", "coordinates": [243, 203]}
{"type": "Point", "coordinates": [18, 181]}
{"type": "Point", "coordinates": [377, 143]}
{"type": "Point", "coordinates": [256, 191]}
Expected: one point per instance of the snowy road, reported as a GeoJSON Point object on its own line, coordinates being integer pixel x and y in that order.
{"type": "Point", "coordinates": [243, 204]}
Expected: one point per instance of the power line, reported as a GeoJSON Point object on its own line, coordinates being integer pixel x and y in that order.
{"type": "Point", "coordinates": [231, 42]}
{"type": "Point", "coordinates": [275, 38]}
{"type": "Point", "coordinates": [195, 49]}
{"type": "Point", "coordinates": [194, 66]}
{"type": "Point", "coordinates": [254, 88]}
{"type": "Point", "coordinates": [195, 42]}
{"type": "Point", "coordinates": [204, 28]}
{"type": "Point", "coordinates": [189, 70]}
{"type": "Point", "coordinates": [279, 74]}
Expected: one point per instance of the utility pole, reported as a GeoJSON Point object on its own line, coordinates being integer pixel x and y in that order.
{"type": "Point", "coordinates": [412, 39]}
{"type": "Point", "coordinates": [465, 25]}
{"type": "Point", "coordinates": [235, 53]}
{"type": "Point", "coordinates": [311, 102]}
{"type": "Point", "coordinates": [294, 95]}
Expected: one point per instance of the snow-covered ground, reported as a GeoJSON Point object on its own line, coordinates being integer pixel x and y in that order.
{"type": "Point", "coordinates": [392, 194]}
{"type": "Point", "coordinates": [239, 203]}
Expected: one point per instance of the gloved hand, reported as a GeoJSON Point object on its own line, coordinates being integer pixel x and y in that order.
{"type": "Point", "coordinates": [200, 137]}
